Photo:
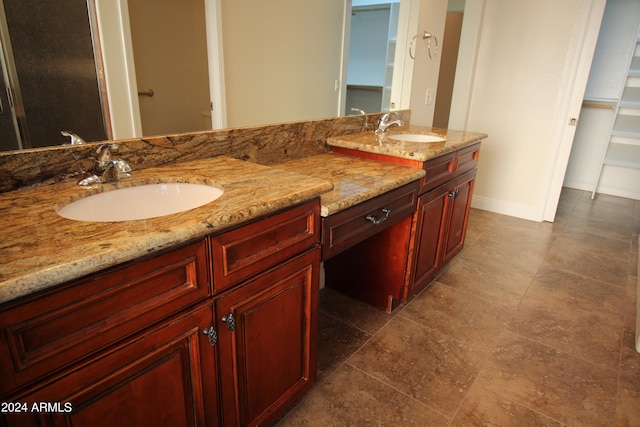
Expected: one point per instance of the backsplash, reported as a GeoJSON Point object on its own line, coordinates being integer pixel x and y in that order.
{"type": "Point", "coordinates": [265, 144]}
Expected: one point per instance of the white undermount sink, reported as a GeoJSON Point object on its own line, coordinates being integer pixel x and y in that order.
{"type": "Point", "coordinates": [140, 202]}
{"type": "Point", "coordinates": [415, 137]}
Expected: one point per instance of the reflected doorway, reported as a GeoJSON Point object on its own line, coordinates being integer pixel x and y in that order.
{"type": "Point", "coordinates": [372, 47]}
{"type": "Point", "coordinates": [170, 54]}
{"type": "Point", "coordinates": [379, 68]}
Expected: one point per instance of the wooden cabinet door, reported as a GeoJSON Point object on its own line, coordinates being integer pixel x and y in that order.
{"type": "Point", "coordinates": [458, 215]}
{"type": "Point", "coordinates": [166, 376]}
{"type": "Point", "coordinates": [268, 341]}
{"type": "Point", "coordinates": [441, 225]}
{"type": "Point", "coordinates": [430, 229]}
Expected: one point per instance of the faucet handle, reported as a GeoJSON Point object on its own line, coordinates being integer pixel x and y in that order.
{"type": "Point", "coordinates": [121, 166]}
{"type": "Point", "coordinates": [107, 148]}
{"type": "Point", "coordinates": [103, 155]}
{"type": "Point", "coordinates": [116, 170]}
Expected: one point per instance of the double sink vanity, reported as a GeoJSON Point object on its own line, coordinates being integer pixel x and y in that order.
{"type": "Point", "coordinates": [209, 316]}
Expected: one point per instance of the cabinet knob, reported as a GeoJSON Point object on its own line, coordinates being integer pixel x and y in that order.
{"type": "Point", "coordinates": [230, 320]}
{"type": "Point", "coordinates": [212, 334]}
{"type": "Point", "coordinates": [454, 194]}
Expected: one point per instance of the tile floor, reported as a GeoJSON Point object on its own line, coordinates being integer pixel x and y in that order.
{"type": "Point", "coordinates": [533, 324]}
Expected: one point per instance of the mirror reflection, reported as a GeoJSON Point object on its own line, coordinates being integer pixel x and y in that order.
{"type": "Point", "coordinates": [274, 68]}
{"type": "Point", "coordinates": [49, 81]}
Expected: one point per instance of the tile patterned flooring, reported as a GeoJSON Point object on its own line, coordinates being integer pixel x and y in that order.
{"type": "Point", "coordinates": [533, 324]}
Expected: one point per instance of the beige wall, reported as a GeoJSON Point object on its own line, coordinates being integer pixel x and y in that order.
{"type": "Point", "coordinates": [282, 59]}
{"type": "Point", "coordinates": [425, 70]}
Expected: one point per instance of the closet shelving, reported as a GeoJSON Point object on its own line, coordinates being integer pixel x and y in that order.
{"type": "Point", "coordinates": [624, 143]}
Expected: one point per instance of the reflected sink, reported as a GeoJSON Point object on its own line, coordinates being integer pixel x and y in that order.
{"type": "Point", "coordinates": [140, 202]}
{"type": "Point", "coordinates": [414, 137]}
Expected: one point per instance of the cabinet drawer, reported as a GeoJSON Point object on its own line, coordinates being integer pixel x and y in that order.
{"type": "Point", "coordinates": [347, 228]}
{"type": "Point", "coordinates": [438, 171]}
{"type": "Point", "coordinates": [48, 332]}
{"type": "Point", "coordinates": [468, 158]}
{"type": "Point", "coordinates": [252, 248]}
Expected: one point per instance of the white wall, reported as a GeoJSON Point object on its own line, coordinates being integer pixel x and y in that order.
{"type": "Point", "coordinates": [522, 93]}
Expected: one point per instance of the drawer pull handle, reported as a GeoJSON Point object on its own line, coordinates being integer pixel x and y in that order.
{"type": "Point", "coordinates": [379, 220]}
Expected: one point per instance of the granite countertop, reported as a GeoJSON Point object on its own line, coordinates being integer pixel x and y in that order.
{"type": "Point", "coordinates": [40, 249]}
{"type": "Point", "coordinates": [354, 180]}
{"type": "Point", "coordinates": [384, 144]}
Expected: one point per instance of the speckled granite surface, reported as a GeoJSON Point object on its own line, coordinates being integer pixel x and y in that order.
{"type": "Point", "coordinates": [354, 180]}
{"type": "Point", "coordinates": [40, 249]}
{"type": "Point", "coordinates": [385, 144]}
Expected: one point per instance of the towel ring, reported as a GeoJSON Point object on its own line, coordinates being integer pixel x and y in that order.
{"type": "Point", "coordinates": [425, 36]}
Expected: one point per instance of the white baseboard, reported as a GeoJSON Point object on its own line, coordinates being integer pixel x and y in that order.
{"type": "Point", "coordinates": [619, 193]}
{"type": "Point", "coordinates": [603, 190]}
{"type": "Point", "coordinates": [578, 185]}
{"type": "Point", "coordinates": [506, 208]}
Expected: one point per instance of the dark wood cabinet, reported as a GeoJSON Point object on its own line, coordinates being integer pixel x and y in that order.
{"type": "Point", "coordinates": [457, 215]}
{"type": "Point", "coordinates": [429, 229]}
{"type": "Point", "coordinates": [151, 342]}
{"type": "Point", "coordinates": [439, 228]}
{"type": "Point", "coordinates": [166, 376]}
{"type": "Point", "coordinates": [365, 247]}
{"type": "Point", "coordinates": [49, 332]}
{"type": "Point", "coordinates": [267, 331]}
{"type": "Point", "coordinates": [436, 233]}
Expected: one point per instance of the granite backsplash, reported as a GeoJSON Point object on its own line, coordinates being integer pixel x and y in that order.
{"type": "Point", "coordinates": [263, 144]}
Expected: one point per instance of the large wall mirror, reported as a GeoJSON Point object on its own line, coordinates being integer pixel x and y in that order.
{"type": "Point", "coordinates": [167, 66]}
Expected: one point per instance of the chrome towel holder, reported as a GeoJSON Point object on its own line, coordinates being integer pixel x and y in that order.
{"type": "Point", "coordinates": [425, 36]}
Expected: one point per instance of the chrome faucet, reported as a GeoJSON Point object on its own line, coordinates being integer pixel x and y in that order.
{"type": "Point", "coordinates": [383, 123]}
{"type": "Point", "coordinates": [105, 168]}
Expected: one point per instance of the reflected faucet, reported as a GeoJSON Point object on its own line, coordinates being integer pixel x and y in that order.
{"type": "Point", "coordinates": [106, 169]}
{"type": "Point", "coordinates": [383, 123]}
{"type": "Point", "coordinates": [73, 138]}
{"type": "Point", "coordinates": [363, 115]}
